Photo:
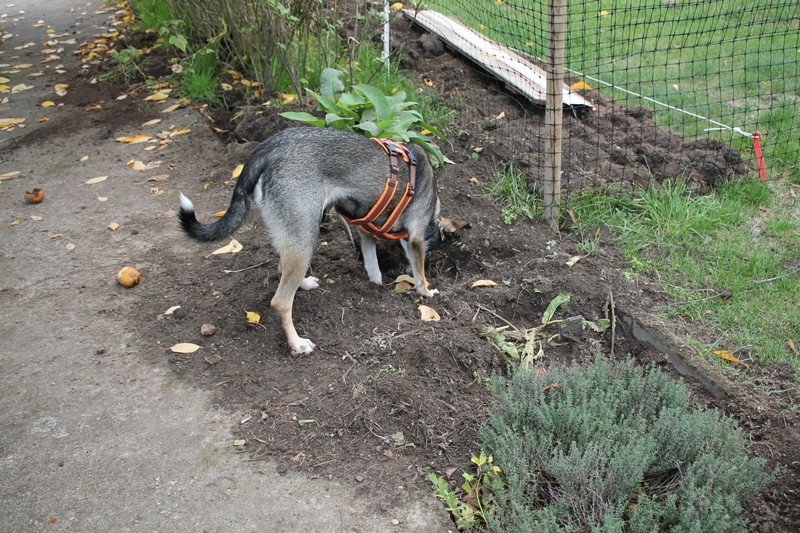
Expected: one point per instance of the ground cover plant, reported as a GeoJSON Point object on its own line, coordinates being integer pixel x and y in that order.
{"type": "Point", "coordinates": [610, 447]}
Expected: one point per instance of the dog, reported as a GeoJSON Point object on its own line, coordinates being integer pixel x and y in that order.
{"type": "Point", "coordinates": [297, 175]}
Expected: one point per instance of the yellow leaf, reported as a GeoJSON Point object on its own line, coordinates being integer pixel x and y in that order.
{"type": "Point", "coordinates": [171, 108]}
{"type": "Point", "coordinates": [397, 6]}
{"type": "Point", "coordinates": [233, 247]}
{"type": "Point", "coordinates": [253, 317]}
{"type": "Point", "coordinates": [136, 165]}
{"type": "Point", "coordinates": [15, 222]}
{"type": "Point", "coordinates": [113, 226]}
{"type": "Point", "coordinates": [725, 354]}
{"type": "Point", "coordinates": [428, 314]}
{"type": "Point", "coordinates": [484, 283]}
{"type": "Point", "coordinates": [84, 158]}
{"type": "Point", "coordinates": [152, 122]}
{"type": "Point", "coordinates": [134, 139]}
{"type": "Point", "coordinates": [580, 86]}
{"type": "Point", "coordinates": [159, 96]}
{"type": "Point", "coordinates": [61, 88]}
{"type": "Point", "coordinates": [6, 122]}
{"type": "Point", "coordinates": [604, 13]}
{"type": "Point", "coordinates": [98, 179]}
{"type": "Point", "coordinates": [185, 347]}
{"type": "Point", "coordinates": [237, 171]}
{"type": "Point", "coordinates": [102, 198]}
{"type": "Point", "coordinates": [288, 98]}
{"type": "Point", "coordinates": [220, 214]}
{"type": "Point", "coordinates": [44, 119]}
{"type": "Point", "coordinates": [48, 103]}
{"type": "Point", "coordinates": [20, 87]}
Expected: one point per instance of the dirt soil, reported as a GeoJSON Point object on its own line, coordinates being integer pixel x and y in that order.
{"type": "Point", "coordinates": [387, 398]}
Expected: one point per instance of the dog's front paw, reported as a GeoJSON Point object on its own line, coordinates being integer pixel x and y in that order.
{"type": "Point", "coordinates": [427, 293]}
{"type": "Point", "coordinates": [309, 283]}
{"type": "Point", "coordinates": [303, 346]}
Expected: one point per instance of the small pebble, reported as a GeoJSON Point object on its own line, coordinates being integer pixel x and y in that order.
{"type": "Point", "coordinates": [208, 329]}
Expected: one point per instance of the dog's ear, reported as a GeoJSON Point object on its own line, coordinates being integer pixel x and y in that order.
{"type": "Point", "coordinates": [451, 225]}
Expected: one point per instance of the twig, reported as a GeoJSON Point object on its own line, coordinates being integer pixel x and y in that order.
{"type": "Point", "coordinates": [762, 281]}
{"type": "Point", "coordinates": [613, 320]}
{"type": "Point", "coordinates": [349, 232]}
{"type": "Point", "coordinates": [482, 308]}
{"type": "Point", "coordinates": [246, 268]}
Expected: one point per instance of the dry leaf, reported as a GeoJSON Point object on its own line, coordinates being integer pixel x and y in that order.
{"type": "Point", "coordinates": [237, 171]}
{"type": "Point", "coordinates": [36, 218]}
{"type": "Point", "coordinates": [253, 317]}
{"type": "Point", "coordinates": [428, 314]}
{"type": "Point", "coordinates": [725, 354]}
{"type": "Point", "coordinates": [98, 179]}
{"type": "Point", "coordinates": [9, 175]}
{"type": "Point", "coordinates": [61, 89]}
{"type": "Point", "coordinates": [580, 86]}
{"type": "Point", "coordinates": [158, 177]}
{"type": "Point", "coordinates": [136, 165]}
{"type": "Point", "coordinates": [15, 222]}
{"type": "Point", "coordinates": [84, 158]}
{"type": "Point", "coordinates": [220, 214]}
{"type": "Point", "coordinates": [134, 139]}
{"type": "Point", "coordinates": [57, 236]}
{"type": "Point", "coordinates": [574, 259]}
{"type": "Point", "coordinates": [171, 108]}
{"type": "Point", "coordinates": [231, 248]}
{"type": "Point", "coordinates": [70, 246]}
{"type": "Point", "coordinates": [159, 96]}
{"type": "Point", "coordinates": [48, 103]}
{"type": "Point", "coordinates": [102, 198]}
{"type": "Point", "coordinates": [6, 122]}
{"type": "Point", "coordinates": [484, 283]}
{"type": "Point", "coordinates": [172, 309]}
{"type": "Point", "coordinates": [20, 87]}
{"type": "Point", "coordinates": [113, 226]}
{"type": "Point", "coordinates": [151, 122]}
{"type": "Point", "coordinates": [185, 347]}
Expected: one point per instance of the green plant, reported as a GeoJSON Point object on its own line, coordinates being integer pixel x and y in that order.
{"type": "Point", "coordinates": [126, 64]}
{"type": "Point", "coordinates": [613, 447]}
{"type": "Point", "coordinates": [510, 190]}
{"type": "Point", "coordinates": [475, 506]}
{"type": "Point", "coordinates": [367, 110]}
{"type": "Point", "coordinates": [523, 346]}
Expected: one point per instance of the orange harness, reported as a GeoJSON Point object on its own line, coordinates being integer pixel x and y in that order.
{"type": "Point", "coordinates": [367, 222]}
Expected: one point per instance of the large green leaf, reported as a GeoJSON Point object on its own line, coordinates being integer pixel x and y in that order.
{"type": "Point", "coordinates": [330, 83]}
{"type": "Point", "coordinates": [307, 118]}
{"type": "Point", "coordinates": [383, 110]}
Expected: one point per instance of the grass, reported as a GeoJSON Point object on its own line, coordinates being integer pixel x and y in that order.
{"type": "Point", "coordinates": [736, 62]}
{"type": "Point", "coordinates": [730, 259]}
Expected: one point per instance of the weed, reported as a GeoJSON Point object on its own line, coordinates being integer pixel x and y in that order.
{"type": "Point", "coordinates": [475, 506]}
{"type": "Point", "coordinates": [510, 190]}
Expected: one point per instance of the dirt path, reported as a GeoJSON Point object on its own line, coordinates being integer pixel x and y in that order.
{"type": "Point", "coordinates": [97, 433]}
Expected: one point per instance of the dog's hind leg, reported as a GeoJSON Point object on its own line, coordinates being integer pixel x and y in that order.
{"type": "Point", "coordinates": [293, 267]}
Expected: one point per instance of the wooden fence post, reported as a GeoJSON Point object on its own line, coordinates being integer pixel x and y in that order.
{"type": "Point", "coordinates": [553, 112]}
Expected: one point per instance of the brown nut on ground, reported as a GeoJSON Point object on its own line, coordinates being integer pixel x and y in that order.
{"type": "Point", "coordinates": [128, 277]}
{"type": "Point", "coordinates": [35, 196]}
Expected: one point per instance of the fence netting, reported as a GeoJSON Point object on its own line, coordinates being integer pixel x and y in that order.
{"type": "Point", "coordinates": [678, 88]}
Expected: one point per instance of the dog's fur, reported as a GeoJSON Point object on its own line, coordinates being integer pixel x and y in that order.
{"type": "Point", "coordinates": [294, 177]}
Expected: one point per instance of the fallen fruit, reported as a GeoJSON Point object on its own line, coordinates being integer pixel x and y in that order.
{"type": "Point", "coordinates": [128, 277]}
{"type": "Point", "coordinates": [35, 196]}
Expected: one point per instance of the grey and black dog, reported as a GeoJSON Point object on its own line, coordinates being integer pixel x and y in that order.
{"type": "Point", "coordinates": [294, 177]}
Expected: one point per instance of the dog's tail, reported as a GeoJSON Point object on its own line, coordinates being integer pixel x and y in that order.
{"type": "Point", "coordinates": [232, 218]}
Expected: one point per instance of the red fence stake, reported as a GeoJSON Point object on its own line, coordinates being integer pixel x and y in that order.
{"type": "Point", "coordinates": [762, 171]}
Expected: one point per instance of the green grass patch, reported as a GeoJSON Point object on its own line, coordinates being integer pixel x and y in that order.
{"type": "Point", "coordinates": [730, 259]}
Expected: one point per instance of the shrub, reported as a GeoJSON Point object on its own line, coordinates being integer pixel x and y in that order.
{"type": "Point", "coordinates": [613, 448]}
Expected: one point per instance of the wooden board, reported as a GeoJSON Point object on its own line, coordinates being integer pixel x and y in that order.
{"type": "Point", "coordinates": [513, 68]}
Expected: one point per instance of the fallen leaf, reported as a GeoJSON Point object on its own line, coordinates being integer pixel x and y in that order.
{"type": "Point", "coordinates": [6, 122]}
{"type": "Point", "coordinates": [483, 283]}
{"type": "Point", "coordinates": [98, 179]}
{"type": "Point", "coordinates": [9, 175]}
{"type": "Point", "coordinates": [172, 309]}
{"type": "Point", "coordinates": [159, 96]}
{"type": "Point", "coordinates": [102, 198]}
{"type": "Point", "coordinates": [113, 226]}
{"type": "Point", "coordinates": [151, 122]}
{"type": "Point", "coordinates": [253, 317]}
{"type": "Point", "coordinates": [136, 165]}
{"type": "Point", "coordinates": [134, 139]}
{"type": "Point", "coordinates": [574, 259]}
{"type": "Point", "coordinates": [158, 177]}
{"type": "Point", "coordinates": [184, 347]}
{"type": "Point", "coordinates": [246, 419]}
{"type": "Point", "coordinates": [171, 108]}
{"type": "Point", "coordinates": [56, 236]}
{"type": "Point", "coordinates": [20, 87]}
{"type": "Point", "coordinates": [231, 248]}
{"type": "Point", "coordinates": [15, 222]}
{"type": "Point", "coordinates": [725, 354]}
{"type": "Point", "coordinates": [36, 218]}
{"type": "Point", "coordinates": [61, 89]}
{"type": "Point", "coordinates": [48, 103]}
{"type": "Point", "coordinates": [84, 158]}
{"type": "Point", "coordinates": [240, 442]}
{"type": "Point", "coordinates": [70, 246]}
{"type": "Point", "coordinates": [428, 314]}
{"type": "Point", "coordinates": [237, 171]}
{"type": "Point", "coordinates": [220, 214]}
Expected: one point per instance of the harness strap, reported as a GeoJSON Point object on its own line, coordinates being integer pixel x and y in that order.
{"type": "Point", "coordinates": [367, 222]}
